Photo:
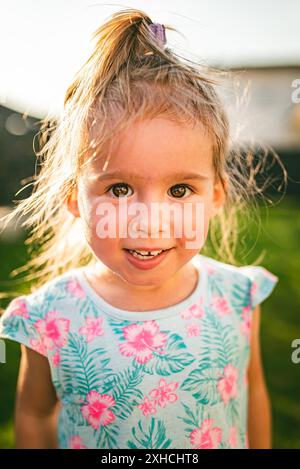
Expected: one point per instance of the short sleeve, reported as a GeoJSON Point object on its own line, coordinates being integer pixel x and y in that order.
{"type": "Point", "coordinates": [262, 283]}
{"type": "Point", "coordinates": [20, 323]}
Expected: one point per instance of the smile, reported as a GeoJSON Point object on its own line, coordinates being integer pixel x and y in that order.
{"type": "Point", "coordinates": [146, 259]}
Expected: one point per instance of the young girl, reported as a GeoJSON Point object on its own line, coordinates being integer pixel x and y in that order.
{"type": "Point", "coordinates": [138, 341]}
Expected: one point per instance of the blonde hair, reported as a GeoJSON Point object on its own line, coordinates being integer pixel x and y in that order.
{"type": "Point", "coordinates": [129, 75]}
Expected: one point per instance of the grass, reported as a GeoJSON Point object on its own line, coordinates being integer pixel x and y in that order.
{"type": "Point", "coordinates": [279, 237]}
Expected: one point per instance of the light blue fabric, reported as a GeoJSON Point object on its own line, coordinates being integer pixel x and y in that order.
{"type": "Point", "coordinates": [169, 378]}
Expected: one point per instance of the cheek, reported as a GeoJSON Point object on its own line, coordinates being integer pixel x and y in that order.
{"type": "Point", "coordinates": [100, 223]}
{"type": "Point", "coordinates": [86, 210]}
{"type": "Point", "coordinates": [196, 224]}
{"type": "Point", "coordinates": [89, 213]}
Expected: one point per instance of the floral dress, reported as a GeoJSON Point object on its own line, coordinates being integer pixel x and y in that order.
{"type": "Point", "coordinates": [169, 378]}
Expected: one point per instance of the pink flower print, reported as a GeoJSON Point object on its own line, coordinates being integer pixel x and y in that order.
{"type": "Point", "coordinates": [197, 310]}
{"type": "Point", "coordinates": [186, 314]}
{"type": "Point", "coordinates": [253, 288]}
{"type": "Point", "coordinates": [233, 437]}
{"type": "Point", "coordinates": [210, 270]}
{"type": "Point", "coordinates": [147, 406]}
{"type": "Point", "coordinates": [221, 305]}
{"type": "Point", "coordinates": [247, 319]}
{"type": "Point", "coordinates": [56, 359]}
{"type": "Point", "coordinates": [269, 275]}
{"type": "Point", "coordinates": [97, 411]}
{"type": "Point", "coordinates": [18, 307]}
{"type": "Point", "coordinates": [38, 346]}
{"type": "Point", "coordinates": [207, 436]}
{"type": "Point", "coordinates": [193, 330]}
{"type": "Point", "coordinates": [74, 287]}
{"type": "Point", "coordinates": [164, 393]}
{"type": "Point", "coordinates": [142, 340]}
{"type": "Point", "coordinates": [227, 385]}
{"type": "Point", "coordinates": [53, 330]}
{"type": "Point", "coordinates": [75, 442]}
{"type": "Point", "coordinates": [92, 328]}
{"type": "Point", "coordinates": [194, 311]}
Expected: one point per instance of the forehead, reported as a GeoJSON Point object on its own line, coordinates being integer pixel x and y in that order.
{"type": "Point", "coordinates": [154, 148]}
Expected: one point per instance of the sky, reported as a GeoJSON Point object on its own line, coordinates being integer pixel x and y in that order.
{"type": "Point", "coordinates": [43, 43]}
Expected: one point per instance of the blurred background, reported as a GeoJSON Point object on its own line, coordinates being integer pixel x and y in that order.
{"type": "Point", "coordinates": [42, 44]}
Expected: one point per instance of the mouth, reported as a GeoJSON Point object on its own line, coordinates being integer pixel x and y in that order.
{"type": "Point", "coordinates": [146, 259]}
{"type": "Point", "coordinates": [146, 254]}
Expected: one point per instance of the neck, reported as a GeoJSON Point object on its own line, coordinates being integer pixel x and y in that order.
{"type": "Point", "coordinates": [124, 295]}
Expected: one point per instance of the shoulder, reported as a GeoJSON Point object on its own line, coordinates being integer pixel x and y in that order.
{"type": "Point", "coordinates": [42, 313]}
{"type": "Point", "coordinates": [63, 288]}
{"type": "Point", "coordinates": [249, 284]}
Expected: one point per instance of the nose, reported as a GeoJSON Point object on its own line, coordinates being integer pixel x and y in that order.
{"type": "Point", "coordinates": [152, 220]}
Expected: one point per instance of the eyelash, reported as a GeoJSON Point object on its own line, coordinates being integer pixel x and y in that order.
{"type": "Point", "coordinates": [125, 184]}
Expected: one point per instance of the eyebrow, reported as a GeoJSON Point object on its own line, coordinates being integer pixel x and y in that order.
{"type": "Point", "coordinates": [134, 176]}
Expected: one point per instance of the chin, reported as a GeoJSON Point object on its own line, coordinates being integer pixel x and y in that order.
{"type": "Point", "coordinates": [145, 279]}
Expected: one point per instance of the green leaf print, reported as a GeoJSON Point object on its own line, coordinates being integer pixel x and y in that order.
{"type": "Point", "coordinates": [12, 327]}
{"type": "Point", "coordinates": [224, 445]}
{"type": "Point", "coordinates": [240, 295]}
{"type": "Point", "coordinates": [239, 290]}
{"type": "Point", "coordinates": [82, 370]}
{"type": "Point", "coordinates": [107, 436]}
{"type": "Point", "coordinates": [118, 325]}
{"type": "Point", "coordinates": [242, 437]}
{"type": "Point", "coordinates": [53, 296]}
{"type": "Point", "coordinates": [174, 359]}
{"type": "Point", "coordinates": [154, 437]}
{"type": "Point", "coordinates": [18, 325]}
{"type": "Point", "coordinates": [75, 417]}
{"type": "Point", "coordinates": [125, 391]}
{"type": "Point", "coordinates": [193, 420]}
{"type": "Point", "coordinates": [220, 344]}
{"type": "Point", "coordinates": [216, 284]}
{"type": "Point", "coordinates": [202, 383]}
{"type": "Point", "coordinates": [87, 308]}
{"type": "Point", "coordinates": [232, 411]}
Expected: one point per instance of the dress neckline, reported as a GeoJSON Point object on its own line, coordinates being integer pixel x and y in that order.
{"type": "Point", "coordinates": [168, 311]}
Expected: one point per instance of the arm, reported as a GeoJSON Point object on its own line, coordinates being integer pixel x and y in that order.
{"type": "Point", "coordinates": [36, 403]}
{"type": "Point", "coordinates": [259, 406]}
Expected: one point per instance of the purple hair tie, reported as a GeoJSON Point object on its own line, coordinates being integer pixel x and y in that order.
{"type": "Point", "coordinates": [159, 32]}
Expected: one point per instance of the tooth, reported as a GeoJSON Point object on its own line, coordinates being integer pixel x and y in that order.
{"type": "Point", "coordinates": [145, 254]}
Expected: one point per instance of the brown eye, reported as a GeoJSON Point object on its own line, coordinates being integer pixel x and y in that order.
{"type": "Point", "coordinates": [120, 190]}
{"type": "Point", "coordinates": [179, 190]}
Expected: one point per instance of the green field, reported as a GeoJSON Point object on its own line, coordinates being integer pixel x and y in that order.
{"type": "Point", "coordinates": [279, 238]}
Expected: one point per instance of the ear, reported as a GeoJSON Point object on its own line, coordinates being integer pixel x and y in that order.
{"type": "Point", "coordinates": [220, 192]}
{"type": "Point", "coordinates": [72, 202]}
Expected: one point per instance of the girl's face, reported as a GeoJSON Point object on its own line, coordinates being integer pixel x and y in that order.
{"type": "Point", "coordinates": [154, 162]}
